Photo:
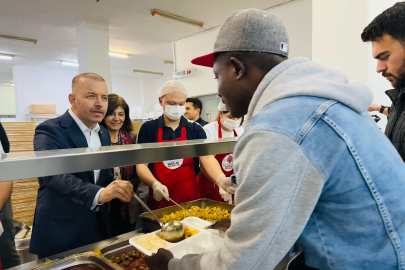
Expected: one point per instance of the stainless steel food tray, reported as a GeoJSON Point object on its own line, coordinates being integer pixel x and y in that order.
{"type": "Point", "coordinates": [79, 260]}
{"type": "Point", "coordinates": [150, 225]}
{"type": "Point", "coordinates": [117, 249]}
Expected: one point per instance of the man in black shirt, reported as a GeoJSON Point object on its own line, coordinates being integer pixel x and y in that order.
{"type": "Point", "coordinates": [176, 178]}
{"type": "Point", "coordinates": [387, 35]}
{"type": "Point", "coordinates": [193, 111]}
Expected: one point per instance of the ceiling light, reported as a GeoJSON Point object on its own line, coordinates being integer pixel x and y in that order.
{"type": "Point", "coordinates": [12, 84]}
{"type": "Point", "coordinates": [168, 62]}
{"type": "Point", "coordinates": [19, 39]}
{"type": "Point", "coordinates": [148, 72]}
{"type": "Point", "coordinates": [159, 13]}
{"type": "Point", "coordinates": [118, 54]}
{"type": "Point", "coordinates": [6, 56]}
{"type": "Point", "coordinates": [73, 64]}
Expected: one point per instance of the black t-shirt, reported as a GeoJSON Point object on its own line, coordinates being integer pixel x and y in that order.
{"type": "Point", "coordinates": [149, 131]}
{"type": "Point", "coordinates": [201, 122]}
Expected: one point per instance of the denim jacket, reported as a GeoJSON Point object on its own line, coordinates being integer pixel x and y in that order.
{"type": "Point", "coordinates": [314, 172]}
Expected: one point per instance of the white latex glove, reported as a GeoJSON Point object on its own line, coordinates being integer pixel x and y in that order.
{"type": "Point", "coordinates": [226, 184]}
{"type": "Point", "coordinates": [160, 191]}
{"type": "Point", "coordinates": [227, 197]}
{"type": "Point", "coordinates": [1, 229]}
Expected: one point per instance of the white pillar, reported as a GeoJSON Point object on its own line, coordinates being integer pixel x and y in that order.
{"type": "Point", "coordinates": [92, 40]}
{"type": "Point", "coordinates": [336, 42]}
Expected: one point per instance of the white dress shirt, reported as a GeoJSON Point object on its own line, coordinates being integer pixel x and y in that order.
{"type": "Point", "coordinates": [93, 140]}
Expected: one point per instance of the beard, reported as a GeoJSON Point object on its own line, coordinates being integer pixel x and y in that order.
{"type": "Point", "coordinates": [399, 81]}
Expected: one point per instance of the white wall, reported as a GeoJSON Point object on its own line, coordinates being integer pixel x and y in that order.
{"type": "Point", "coordinates": [297, 18]}
{"type": "Point", "coordinates": [150, 91]}
{"type": "Point", "coordinates": [203, 83]}
{"type": "Point", "coordinates": [336, 42]}
{"type": "Point", "coordinates": [7, 100]}
{"type": "Point", "coordinates": [35, 85]}
{"type": "Point", "coordinates": [129, 88]}
{"type": "Point", "coordinates": [149, 94]}
{"type": "Point", "coordinates": [52, 86]}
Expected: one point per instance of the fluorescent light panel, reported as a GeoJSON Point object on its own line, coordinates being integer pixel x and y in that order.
{"type": "Point", "coordinates": [159, 13]}
{"type": "Point", "coordinates": [66, 63]}
{"type": "Point", "coordinates": [6, 56]}
{"type": "Point", "coordinates": [12, 84]}
{"type": "Point", "coordinates": [118, 54]}
{"type": "Point", "coordinates": [148, 72]}
{"type": "Point", "coordinates": [19, 39]}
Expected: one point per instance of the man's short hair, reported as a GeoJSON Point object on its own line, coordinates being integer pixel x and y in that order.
{"type": "Point", "coordinates": [391, 22]}
{"type": "Point", "coordinates": [197, 104]}
{"type": "Point", "coordinates": [88, 75]}
{"type": "Point", "coordinates": [264, 61]}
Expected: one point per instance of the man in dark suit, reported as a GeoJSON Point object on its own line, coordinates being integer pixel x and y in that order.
{"type": "Point", "coordinates": [70, 209]}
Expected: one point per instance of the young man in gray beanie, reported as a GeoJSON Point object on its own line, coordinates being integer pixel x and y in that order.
{"type": "Point", "coordinates": [308, 166]}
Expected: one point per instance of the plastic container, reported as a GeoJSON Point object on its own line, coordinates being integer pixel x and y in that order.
{"type": "Point", "coordinates": [201, 224]}
{"type": "Point", "coordinates": [202, 242]}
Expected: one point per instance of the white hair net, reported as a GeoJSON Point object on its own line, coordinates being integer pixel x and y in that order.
{"type": "Point", "coordinates": [171, 87]}
{"type": "Point", "coordinates": [222, 107]}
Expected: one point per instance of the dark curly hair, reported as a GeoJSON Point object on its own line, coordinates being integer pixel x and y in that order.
{"type": "Point", "coordinates": [114, 101]}
{"type": "Point", "coordinates": [391, 22]}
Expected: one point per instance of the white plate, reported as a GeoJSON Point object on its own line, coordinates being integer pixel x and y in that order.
{"type": "Point", "coordinates": [185, 248]}
{"type": "Point", "coordinates": [201, 223]}
{"type": "Point", "coordinates": [133, 240]}
{"type": "Point", "coordinates": [207, 241]}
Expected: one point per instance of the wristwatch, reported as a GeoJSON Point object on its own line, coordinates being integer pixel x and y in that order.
{"type": "Point", "coordinates": [382, 109]}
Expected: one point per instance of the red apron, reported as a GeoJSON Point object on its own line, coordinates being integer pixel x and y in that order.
{"type": "Point", "coordinates": [207, 188]}
{"type": "Point", "coordinates": [177, 175]}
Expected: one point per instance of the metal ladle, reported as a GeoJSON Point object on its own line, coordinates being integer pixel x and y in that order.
{"type": "Point", "coordinates": [172, 231]}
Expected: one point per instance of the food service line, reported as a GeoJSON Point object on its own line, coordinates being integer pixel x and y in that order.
{"type": "Point", "coordinates": [46, 163]}
{"type": "Point", "coordinates": [79, 250]}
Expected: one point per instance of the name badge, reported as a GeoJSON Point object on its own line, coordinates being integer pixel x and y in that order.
{"type": "Point", "coordinates": [227, 163]}
{"type": "Point", "coordinates": [173, 164]}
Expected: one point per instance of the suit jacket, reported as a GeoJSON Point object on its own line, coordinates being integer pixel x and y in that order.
{"type": "Point", "coordinates": [63, 216]}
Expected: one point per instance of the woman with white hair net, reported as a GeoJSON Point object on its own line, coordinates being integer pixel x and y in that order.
{"type": "Point", "coordinates": [175, 178]}
{"type": "Point", "coordinates": [225, 126]}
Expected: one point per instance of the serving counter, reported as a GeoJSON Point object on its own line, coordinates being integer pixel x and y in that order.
{"type": "Point", "coordinates": [22, 165]}
{"type": "Point", "coordinates": [91, 247]}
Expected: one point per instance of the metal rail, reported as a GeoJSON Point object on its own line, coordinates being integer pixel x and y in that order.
{"type": "Point", "coordinates": [16, 166]}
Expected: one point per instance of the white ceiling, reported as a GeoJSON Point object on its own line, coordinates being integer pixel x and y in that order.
{"type": "Point", "coordinates": [132, 30]}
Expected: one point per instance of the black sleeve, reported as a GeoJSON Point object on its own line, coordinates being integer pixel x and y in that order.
{"type": "Point", "coordinates": [200, 133]}
{"type": "Point", "coordinates": [46, 138]}
{"type": "Point", "coordinates": [144, 134]}
{"type": "Point", "coordinates": [4, 140]}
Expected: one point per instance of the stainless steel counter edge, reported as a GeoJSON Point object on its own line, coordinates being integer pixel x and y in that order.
{"type": "Point", "coordinates": [79, 250]}
{"type": "Point", "coordinates": [16, 166]}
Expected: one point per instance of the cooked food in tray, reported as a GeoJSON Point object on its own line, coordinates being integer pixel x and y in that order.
{"type": "Point", "coordinates": [151, 242]}
{"type": "Point", "coordinates": [189, 232]}
{"type": "Point", "coordinates": [131, 260]}
{"type": "Point", "coordinates": [212, 214]}
{"type": "Point", "coordinates": [83, 267]}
